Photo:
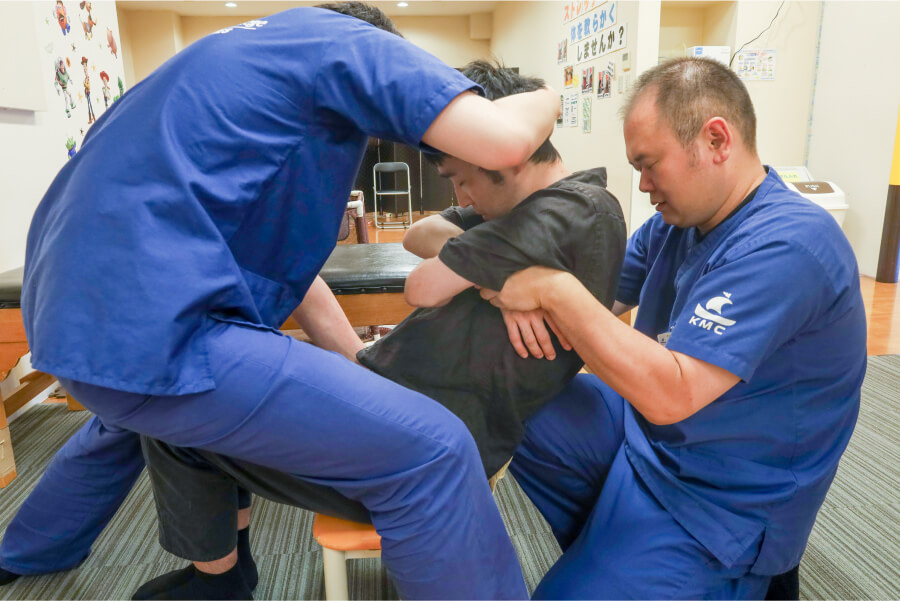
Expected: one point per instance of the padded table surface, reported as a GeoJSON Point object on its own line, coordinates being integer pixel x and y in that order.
{"type": "Point", "coordinates": [351, 269]}
{"type": "Point", "coordinates": [11, 288]}
{"type": "Point", "coordinates": [368, 268]}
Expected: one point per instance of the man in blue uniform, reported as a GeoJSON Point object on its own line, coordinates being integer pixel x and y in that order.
{"type": "Point", "coordinates": [455, 349]}
{"type": "Point", "coordinates": [193, 221]}
{"type": "Point", "coordinates": [693, 464]}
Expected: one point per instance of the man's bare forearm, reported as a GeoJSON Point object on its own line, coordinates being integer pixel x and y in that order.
{"type": "Point", "coordinates": [664, 386]}
{"type": "Point", "coordinates": [323, 320]}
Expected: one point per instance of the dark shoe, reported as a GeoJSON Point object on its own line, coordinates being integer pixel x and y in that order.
{"type": "Point", "coordinates": [190, 583]}
{"type": "Point", "coordinates": [6, 576]}
{"type": "Point", "coordinates": [785, 587]}
{"type": "Point", "coordinates": [245, 559]}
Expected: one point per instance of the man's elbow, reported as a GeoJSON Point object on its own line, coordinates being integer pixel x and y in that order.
{"type": "Point", "coordinates": [668, 412]}
{"type": "Point", "coordinates": [515, 150]}
{"type": "Point", "coordinates": [662, 418]}
{"type": "Point", "coordinates": [410, 245]}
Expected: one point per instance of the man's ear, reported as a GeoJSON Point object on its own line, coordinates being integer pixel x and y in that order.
{"type": "Point", "coordinates": [718, 138]}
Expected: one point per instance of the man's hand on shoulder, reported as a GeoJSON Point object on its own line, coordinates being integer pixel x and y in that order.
{"type": "Point", "coordinates": [529, 335]}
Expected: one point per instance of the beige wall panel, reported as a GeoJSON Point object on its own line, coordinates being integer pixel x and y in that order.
{"type": "Point", "coordinates": [855, 115]}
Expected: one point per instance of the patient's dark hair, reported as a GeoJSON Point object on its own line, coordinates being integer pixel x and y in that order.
{"type": "Point", "coordinates": [364, 12]}
{"type": "Point", "coordinates": [499, 81]}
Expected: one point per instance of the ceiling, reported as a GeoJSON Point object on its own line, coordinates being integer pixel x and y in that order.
{"type": "Point", "coordinates": [255, 8]}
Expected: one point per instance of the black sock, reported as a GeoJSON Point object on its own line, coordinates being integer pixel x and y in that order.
{"type": "Point", "coordinates": [190, 583]}
{"type": "Point", "coordinates": [6, 576]}
{"type": "Point", "coordinates": [245, 559]}
{"type": "Point", "coordinates": [785, 586]}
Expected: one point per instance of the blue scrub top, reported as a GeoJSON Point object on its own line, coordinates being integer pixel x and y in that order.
{"type": "Point", "coordinates": [771, 295]}
{"type": "Point", "coordinates": [213, 190]}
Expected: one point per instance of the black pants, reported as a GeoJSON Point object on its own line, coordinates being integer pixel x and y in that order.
{"type": "Point", "coordinates": [198, 493]}
{"type": "Point", "coordinates": [785, 586]}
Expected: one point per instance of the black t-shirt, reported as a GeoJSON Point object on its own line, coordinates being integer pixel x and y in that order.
{"type": "Point", "coordinates": [460, 354]}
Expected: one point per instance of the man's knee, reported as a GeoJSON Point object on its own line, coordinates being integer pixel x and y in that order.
{"type": "Point", "coordinates": [460, 449]}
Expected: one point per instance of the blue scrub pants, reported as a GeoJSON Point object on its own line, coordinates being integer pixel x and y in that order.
{"type": "Point", "coordinates": [81, 490]}
{"type": "Point", "coordinates": [77, 496]}
{"type": "Point", "coordinates": [292, 407]}
{"type": "Point", "coordinates": [618, 542]}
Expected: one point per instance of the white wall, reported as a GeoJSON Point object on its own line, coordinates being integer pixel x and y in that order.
{"type": "Point", "coordinates": [526, 34]}
{"type": "Point", "coordinates": [33, 142]}
{"type": "Point", "coordinates": [152, 38]}
{"type": "Point", "coordinates": [855, 114]}
{"type": "Point", "coordinates": [783, 105]}
{"type": "Point", "coordinates": [445, 37]}
{"type": "Point", "coordinates": [194, 28]}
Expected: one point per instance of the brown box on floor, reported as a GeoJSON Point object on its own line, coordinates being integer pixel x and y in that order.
{"type": "Point", "coordinates": [7, 464]}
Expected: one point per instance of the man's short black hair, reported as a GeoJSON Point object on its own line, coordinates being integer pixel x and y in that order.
{"type": "Point", "coordinates": [690, 91]}
{"type": "Point", "coordinates": [364, 12]}
{"type": "Point", "coordinates": [498, 82]}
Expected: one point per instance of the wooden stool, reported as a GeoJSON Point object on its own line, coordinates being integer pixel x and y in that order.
{"type": "Point", "coordinates": [342, 540]}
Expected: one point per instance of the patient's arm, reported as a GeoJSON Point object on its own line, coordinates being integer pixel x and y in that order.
{"type": "Point", "coordinates": [427, 236]}
{"type": "Point", "coordinates": [432, 284]}
{"type": "Point", "coordinates": [323, 320]}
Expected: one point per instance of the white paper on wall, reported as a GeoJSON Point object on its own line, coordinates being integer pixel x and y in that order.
{"type": "Point", "coordinates": [81, 63]}
{"type": "Point", "coordinates": [586, 114]}
{"type": "Point", "coordinates": [586, 25]}
{"type": "Point", "coordinates": [574, 10]}
{"type": "Point", "coordinates": [587, 80]}
{"type": "Point", "coordinates": [755, 64]}
{"type": "Point", "coordinates": [570, 110]}
{"type": "Point", "coordinates": [601, 44]}
{"type": "Point", "coordinates": [562, 51]}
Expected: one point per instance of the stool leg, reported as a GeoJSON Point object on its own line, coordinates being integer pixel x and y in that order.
{"type": "Point", "coordinates": [334, 564]}
{"type": "Point", "coordinates": [73, 404]}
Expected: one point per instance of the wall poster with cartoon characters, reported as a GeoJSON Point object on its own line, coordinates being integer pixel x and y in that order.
{"type": "Point", "coordinates": [82, 64]}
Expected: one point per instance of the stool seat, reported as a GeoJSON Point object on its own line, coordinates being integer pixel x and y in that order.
{"type": "Point", "coordinates": [342, 540]}
{"type": "Point", "coordinates": [344, 535]}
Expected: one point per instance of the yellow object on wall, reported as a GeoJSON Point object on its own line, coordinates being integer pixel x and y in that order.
{"type": "Point", "coordinates": [895, 166]}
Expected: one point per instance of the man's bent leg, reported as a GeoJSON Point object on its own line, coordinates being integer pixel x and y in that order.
{"type": "Point", "coordinates": [291, 407]}
{"type": "Point", "coordinates": [632, 548]}
{"type": "Point", "coordinates": [567, 451]}
{"type": "Point", "coordinates": [77, 496]}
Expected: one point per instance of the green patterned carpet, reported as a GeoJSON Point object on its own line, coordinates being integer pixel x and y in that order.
{"type": "Point", "coordinates": [853, 552]}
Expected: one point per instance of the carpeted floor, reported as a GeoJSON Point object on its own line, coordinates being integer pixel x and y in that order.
{"type": "Point", "coordinates": [853, 552]}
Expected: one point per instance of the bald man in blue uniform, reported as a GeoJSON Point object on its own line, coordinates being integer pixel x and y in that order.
{"type": "Point", "coordinates": [165, 255]}
{"type": "Point", "coordinates": [693, 464]}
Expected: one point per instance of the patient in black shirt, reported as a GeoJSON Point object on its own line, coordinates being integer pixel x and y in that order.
{"type": "Point", "coordinates": [459, 353]}
{"type": "Point", "coordinates": [456, 348]}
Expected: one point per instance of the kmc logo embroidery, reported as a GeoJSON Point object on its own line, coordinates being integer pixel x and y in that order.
{"type": "Point", "coordinates": [710, 318]}
{"type": "Point", "coordinates": [250, 25]}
